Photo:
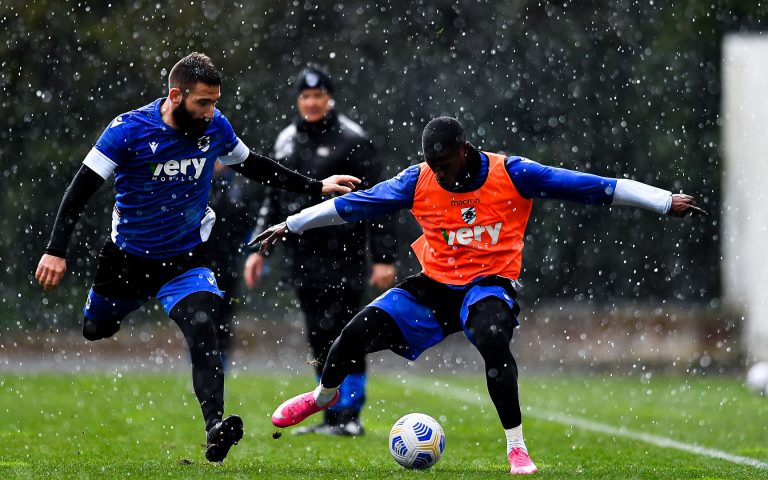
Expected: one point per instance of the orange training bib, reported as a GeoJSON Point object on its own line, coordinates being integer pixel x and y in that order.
{"type": "Point", "coordinates": [472, 234]}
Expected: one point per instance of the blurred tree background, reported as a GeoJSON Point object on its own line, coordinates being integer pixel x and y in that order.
{"type": "Point", "coordinates": [622, 88]}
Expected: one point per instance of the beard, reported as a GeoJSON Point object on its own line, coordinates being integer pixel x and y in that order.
{"type": "Point", "coordinates": [194, 127]}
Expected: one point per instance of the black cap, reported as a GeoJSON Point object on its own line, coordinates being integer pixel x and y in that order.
{"type": "Point", "coordinates": [314, 77]}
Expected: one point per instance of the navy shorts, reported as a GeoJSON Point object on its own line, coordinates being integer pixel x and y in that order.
{"type": "Point", "coordinates": [124, 282]}
{"type": "Point", "coordinates": [427, 311]}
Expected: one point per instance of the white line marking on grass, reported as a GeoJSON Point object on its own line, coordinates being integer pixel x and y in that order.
{"type": "Point", "coordinates": [571, 421]}
{"type": "Point", "coordinates": [645, 437]}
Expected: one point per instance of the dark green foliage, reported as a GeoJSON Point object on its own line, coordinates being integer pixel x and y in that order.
{"type": "Point", "coordinates": [616, 88]}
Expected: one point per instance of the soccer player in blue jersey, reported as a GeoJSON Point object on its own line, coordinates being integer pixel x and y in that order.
{"type": "Point", "coordinates": [473, 207]}
{"type": "Point", "coordinates": [162, 156]}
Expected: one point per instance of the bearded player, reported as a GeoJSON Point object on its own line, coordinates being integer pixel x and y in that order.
{"type": "Point", "coordinates": [162, 156]}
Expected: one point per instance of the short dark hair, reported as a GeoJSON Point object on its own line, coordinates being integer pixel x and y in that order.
{"type": "Point", "coordinates": [441, 137]}
{"type": "Point", "coordinates": [192, 69]}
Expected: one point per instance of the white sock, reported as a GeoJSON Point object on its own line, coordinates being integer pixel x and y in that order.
{"type": "Point", "coordinates": [324, 395]}
{"type": "Point", "coordinates": [515, 438]}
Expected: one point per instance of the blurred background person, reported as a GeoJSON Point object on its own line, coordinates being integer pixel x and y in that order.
{"type": "Point", "coordinates": [232, 200]}
{"type": "Point", "coordinates": [328, 268]}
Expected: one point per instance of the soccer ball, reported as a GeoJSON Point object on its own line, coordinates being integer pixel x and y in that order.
{"type": "Point", "coordinates": [757, 378]}
{"type": "Point", "coordinates": [416, 441]}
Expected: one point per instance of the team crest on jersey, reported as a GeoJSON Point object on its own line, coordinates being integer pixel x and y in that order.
{"type": "Point", "coordinates": [204, 143]}
{"type": "Point", "coordinates": [469, 215]}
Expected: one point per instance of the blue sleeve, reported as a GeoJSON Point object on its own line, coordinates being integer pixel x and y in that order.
{"type": "Point", "coordinates": [114, 140]}
{"type": "Point", "coordinates": [534, 180]}
{"type": "Point", "coordinates": [383, 198]}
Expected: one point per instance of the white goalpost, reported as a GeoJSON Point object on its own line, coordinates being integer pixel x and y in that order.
{"type": "Point", "coordinates": [744, 224]}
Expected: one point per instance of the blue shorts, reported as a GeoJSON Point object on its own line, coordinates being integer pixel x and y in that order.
{"type": "Point", "coordinates": [427, 311]}
{"type": "Point", "coordinates": [124, 282]}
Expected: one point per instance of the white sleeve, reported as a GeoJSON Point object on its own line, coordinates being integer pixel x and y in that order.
{"type": "Point", "coordinates": [320, 215]}
{"type": "Point", "coordinates": [99, 163]}
{"type": "Point", "coordinates": [636, 194]}
{"type": "Point", "coordinates": [238, 154]}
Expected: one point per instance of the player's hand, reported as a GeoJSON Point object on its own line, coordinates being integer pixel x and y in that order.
{"type": "Point", "coordinates": [50, 271]}
{"type": "Point", "coordinates": [383, 276]}
{"type": "Point", "coordinates": [254, 267]}
{"type": "Point", "coordinates": [340, 184]}
{"type": "Point", "coordinates": [683, 205]}
{"type": "Point", "coordinates": [269, 237]}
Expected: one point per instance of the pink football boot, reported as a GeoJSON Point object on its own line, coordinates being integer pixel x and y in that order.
{"type": "Point", "coordinates": [295, 410]}
{"type": "Point", "coordinates": [520, 463]}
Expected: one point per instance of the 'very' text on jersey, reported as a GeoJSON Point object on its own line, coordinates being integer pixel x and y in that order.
{"type": "Point", "coordinates": [465, 235]}
{"type": "Point", "coordinates": [175, 170]}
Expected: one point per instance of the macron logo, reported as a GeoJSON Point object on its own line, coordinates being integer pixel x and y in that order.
{"type": "Point", "coordinates": [465, 235]}
{"type": "Point", "coordinates": [153, 146]}
{"type": "Point", "coordinates": [170, 170]}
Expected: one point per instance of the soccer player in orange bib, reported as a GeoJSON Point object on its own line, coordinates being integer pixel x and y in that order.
{"type": "Point", "coordinates": [473, 207]}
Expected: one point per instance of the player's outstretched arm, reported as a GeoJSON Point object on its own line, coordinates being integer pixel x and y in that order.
{"type": "Point", "coordinates": [381, 199]}
{"type": "Point", "coordinates": [683, 204]}
{"type": "Point", "coordinates": [535, 180]}
{"type": "Point", "coordinates": [267, 171]}
{"type": "Point", "coordinates": [53, 263]}
{"type": "Point", "coordinates": [321, 215]}
{"type": "Point", "coordinates": [630, 192]}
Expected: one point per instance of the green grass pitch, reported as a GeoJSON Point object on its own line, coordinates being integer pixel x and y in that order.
{"type": "Point", "coordinates": [139, 425]}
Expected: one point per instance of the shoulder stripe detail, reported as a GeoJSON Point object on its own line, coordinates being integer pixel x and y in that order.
{"type": "Point", "coordinates": [239, 154]}
{"type": "Point", "coordinates": [99, 163]}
